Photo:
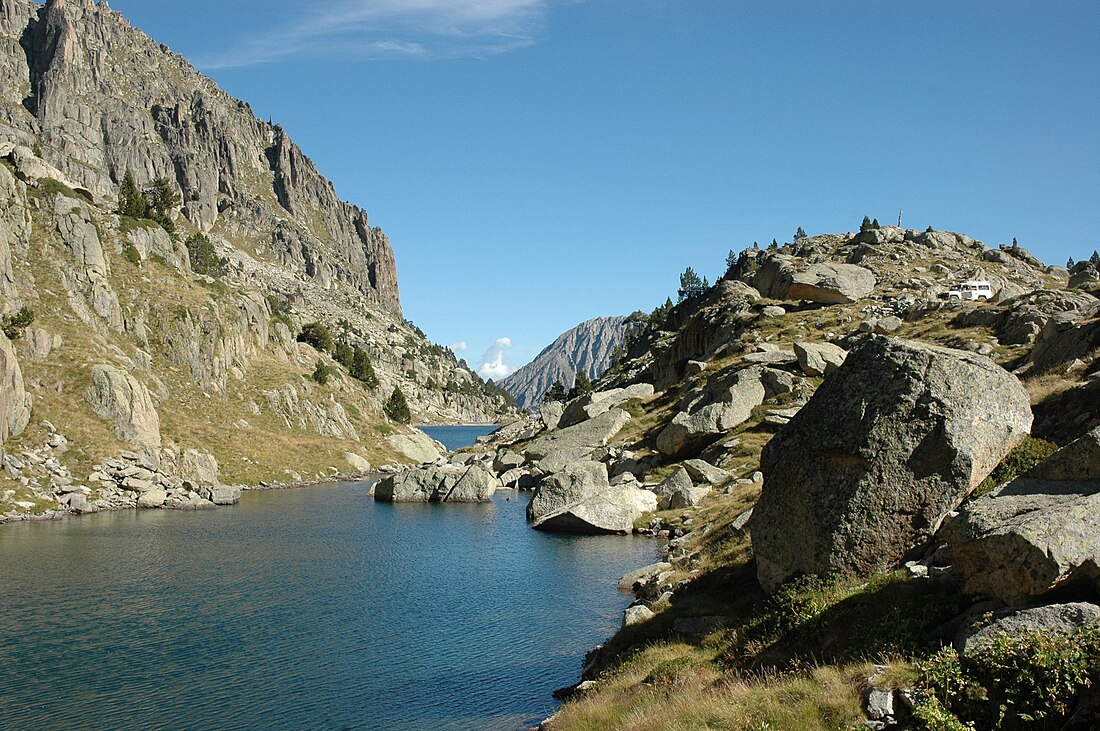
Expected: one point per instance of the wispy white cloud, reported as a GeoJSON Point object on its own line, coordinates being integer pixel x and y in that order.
{"type": "Point", "coordinates": [492, 363]}
{"type": "Point", "coordinates": [459, 347]}
{"type": "Point", "coordinates": [393, 28]}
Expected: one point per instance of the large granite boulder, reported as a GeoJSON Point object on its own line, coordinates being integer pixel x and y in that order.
{"type": "Point", "coordinates": [679, 491]}
{"type": "Point", "coordinates": [893, 441]}
{"type": "Point", "coordinates": [124, 401]}
{"type": "Point", "coordinates": [713, 413]}
{"type": "Point", "coordinates": [1036, 534]}
{"type": "Point", "coordinates": [560, 447]}
{"type": "Point", "coordinates": [831, 284]}
{"type": "Point", "coordinates": [595, 403]}
{"type": "Point", "coordinates": [437, 484]}
{"type": "Point", "coordinates": [579, 499]}
{"type": "Point", "coordinates": [819, 359]}
{"type": "Point", "coordinates": [417, 446]}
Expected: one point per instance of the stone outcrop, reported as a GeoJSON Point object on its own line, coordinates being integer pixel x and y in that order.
{"type": "Point", "coordinates": [891, 443]}
{"type": "Point", "coordinates": [1036, 534]}
{"type": "Point", "coordinates": [725, 405]}
{"type": "Point", "coordinates": [124, 401]}
{"type": "Point", "coordinates": [593, 404]}
{"type": "Point", "coordinates": [15, 403]}
{"type": "Point", "coordinates": [580, 499]}
{"type": "Point", "coordinates": [587, 348]}
{"type": "Point", "coordinates": [784, 277]}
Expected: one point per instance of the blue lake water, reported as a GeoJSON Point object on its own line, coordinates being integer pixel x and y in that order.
{"type": "Point", "coordinates": [457, 437]}
{"type": "Point", "coordinates": [314, 608]}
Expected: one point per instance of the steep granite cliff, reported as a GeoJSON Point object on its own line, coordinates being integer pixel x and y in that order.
{"type": "Point", "coordinates": [158, 352]}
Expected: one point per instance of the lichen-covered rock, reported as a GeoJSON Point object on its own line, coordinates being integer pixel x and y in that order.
{"type": "Point", "coordinates": [595, 403]}
{"type": "Point", "coordinates": [1036, 534]}
{"type": "Point", "coordinates": [579, 499]}
{"type": "Point", "coordinates": [894, 440]}
{"type": "Point", "coordinates": [416, 446]}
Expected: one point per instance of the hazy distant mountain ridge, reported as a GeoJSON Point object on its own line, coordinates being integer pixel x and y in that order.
{"type": "Point", "coordinates": [588, 347]}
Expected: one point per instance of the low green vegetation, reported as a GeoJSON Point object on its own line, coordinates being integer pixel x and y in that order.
{"type": "Point", "coordinates": [1025, 681]}
{"type": "Point", "coordinates": [322, 372]}
{"type": "Point", "coordinates": [317, 335]}
{"type": "Point", "coordinates": [154, 203]}
{"type": "Point", "coordinates": [1029, 453]}
{"type": "Point", "coordinates": [14, 325]}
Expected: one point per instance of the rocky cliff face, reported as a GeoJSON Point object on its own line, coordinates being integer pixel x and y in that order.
{"type": "Point", "coordinates": [588, 347]}
{"type": "Point", "coordinates": [132, 360]}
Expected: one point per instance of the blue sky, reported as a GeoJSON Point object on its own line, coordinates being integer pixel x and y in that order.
{"type": "Point", "coordinates": [540, 162]}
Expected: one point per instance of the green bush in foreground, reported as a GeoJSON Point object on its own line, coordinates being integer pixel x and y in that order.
{"type": "Point", "coordinates": [1026, 681]}
{"type": "Point", "coordinates": [322, 372]}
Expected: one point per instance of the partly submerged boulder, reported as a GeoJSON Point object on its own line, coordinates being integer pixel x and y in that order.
{"type": "Point", "coordinates": [579, 499]}
{"type": "Point", "coordinates": [437, 484]}
{"type": "Point", "coordinates": [1036, 534]}
{"type": "Point", "coordinates": [894, 440]}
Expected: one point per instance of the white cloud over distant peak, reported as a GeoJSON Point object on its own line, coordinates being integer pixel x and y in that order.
{"type": "Point", "coordinates": [393, 28]}
{"type": "Point", "coordinates": [492, 363]}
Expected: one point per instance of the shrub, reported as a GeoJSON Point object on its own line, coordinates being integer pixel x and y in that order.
{"type": "Point", "coordinates": [14, 325]}
{"type": "Point", "coordinates": [1025, 680]}
{"type": "Point", "coordinates": [581, 385]}
{"type": "Point", "coordinates": [203, 258]}
{"type": "Point", "coordinates": [318, 335]}
{"type": "Point", "coordinates": [397, 407]}
{"type": "Point", "coordinates": [1029, 453]}
{"type": "Point", "coordinates": [131, 253]}
{"type": "Point", "coordinates": [322, 372]}
{"type": "Point", "coordinates": [361, 368]}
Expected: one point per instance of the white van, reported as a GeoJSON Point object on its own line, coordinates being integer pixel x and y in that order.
{"type": "Point", "coordinates": [975, 289]}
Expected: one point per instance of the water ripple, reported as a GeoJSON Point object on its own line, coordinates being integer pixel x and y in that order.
{"type": "Point", "coordinates": [307, 609]}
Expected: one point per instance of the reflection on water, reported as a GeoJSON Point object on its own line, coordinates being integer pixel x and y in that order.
{"type": "Point", "coordinates": [302, 609]}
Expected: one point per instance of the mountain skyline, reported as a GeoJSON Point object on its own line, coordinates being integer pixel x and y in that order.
{"type": "Point", "coordinates": [537, 164]}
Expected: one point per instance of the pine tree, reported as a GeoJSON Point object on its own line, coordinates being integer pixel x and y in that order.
{"type": "Point", "coordinates": [731, 258]}
{"type": "Point", "coordinates": [799, 234]}
{"type": "Point", "coordinates": [1095, 258]}
{"type": "Point", "coordinates": [866, 225]}
{"type": "Point", "coordinates": [874, 224]}
{"type": "Point", "coordinates": [773, 245]}
{"type": "Point", "coordinates": [556, 392]}
{"type": "Point", "coordinates": [581, 385]}
{"type": "Point", "coordinates": [397, 408]}
{"type": "Point", "coordinates": [690, 285]}
{"type": "Point", "coordinates": [1015, 246]}
{"type": "Point", "coordinates": [361, 368]}
{"type": "Point", "coordinates": [131, 201]}
{"type": "Point", "coordinates": [1069, 263]}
